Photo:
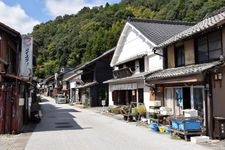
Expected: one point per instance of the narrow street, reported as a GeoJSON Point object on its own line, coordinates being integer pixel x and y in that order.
{"type": "Point", "coordinates": [63, 127]}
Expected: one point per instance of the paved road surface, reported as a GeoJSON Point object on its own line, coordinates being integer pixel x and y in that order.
{"type": "Point", "coordinates": [65, 128]}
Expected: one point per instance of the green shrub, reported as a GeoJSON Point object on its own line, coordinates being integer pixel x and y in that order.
{"type": "Point", "coordinates": [115, 110]}
{"type": "Point", "coordinates": [134, 111]}
{"type": "Point", "coordinates": [141, 110]}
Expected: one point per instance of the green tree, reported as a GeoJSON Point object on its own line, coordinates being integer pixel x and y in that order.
{"type": "Point", "coordinates": [70, 40]}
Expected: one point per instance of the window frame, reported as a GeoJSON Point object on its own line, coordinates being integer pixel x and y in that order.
{"type": "Point", "coordinates": [197, 53]}
{"type": "Point", "coordinates": [141, 62]}
{"type": "Point", "coordinates": [177, 51]}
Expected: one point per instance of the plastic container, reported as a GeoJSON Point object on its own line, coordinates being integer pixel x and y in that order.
{"type": "Point", "coordinates": [154, 126]}
{"type": "Point", "coordinates": [175, 124]}
{"type": "Point", "coordinates": [162, 129]}
{"type": "Point", "coordinates": [168, 128]}
{"type": "Point", "coordinates": [190, 125]}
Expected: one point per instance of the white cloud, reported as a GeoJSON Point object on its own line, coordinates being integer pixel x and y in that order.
{"type": "Point", "coordinates": [16, 18]}
{"type": "Point", "coordinates": [62, 7]}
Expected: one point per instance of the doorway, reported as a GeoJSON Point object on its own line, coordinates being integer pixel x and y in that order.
{"type": "Point", "coordinates": [186, 98]}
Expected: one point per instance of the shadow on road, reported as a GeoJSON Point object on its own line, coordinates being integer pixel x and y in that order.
{"type": "Point", "coordinates": [57, 117]}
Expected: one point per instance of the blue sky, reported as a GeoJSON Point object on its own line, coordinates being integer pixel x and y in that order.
{"type": "Point", "coordinates": [22, 15]}
{"type": "Point", "coordinates": [34, 8]}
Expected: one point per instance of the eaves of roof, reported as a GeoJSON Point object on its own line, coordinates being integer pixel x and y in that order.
{"type": "Point", "coordinates": [205, 24]}
{"type": "Point", "coordinates": [94, 60]}
{"type": "Point", "coordinates": [9, 30]}
{"type": "Point", "coordinates": [134, 77]}
{"type": "Point", "coordinates": [158, 31]}
{"type": "Point", "coordinates": [152, 31]}
{"type": "Point", "coordinates": [72, 76]}
{"type": "Point", "coordinates": [87, 85]}
{"type": "Point", "coordinates": [182, 71]}
{"type": "Point", "coordinates": [132, 58]}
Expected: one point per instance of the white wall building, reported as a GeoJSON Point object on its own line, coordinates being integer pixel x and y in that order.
{"type": "Point", "coordinates": [134, 58]}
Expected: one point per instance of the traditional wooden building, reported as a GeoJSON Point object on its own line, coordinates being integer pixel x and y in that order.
{"type": "Point", "coordinates": [49, 86]}
{"type": "Point", "coordinates": [72, 82]}
{"type": "Point", "coordinates": [14, 90]}
{"type": "Point", "coordinates": [87, 80]}
{"type": "Point", "coordinates": [134, 58]}
{"type": "Point", "coordinates": [193, 74]}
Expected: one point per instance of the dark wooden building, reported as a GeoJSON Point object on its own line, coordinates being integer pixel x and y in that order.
{"type": "Point", "coordinates": [95, 72]}
{"type": "Point", "coordinates": [14, 90]}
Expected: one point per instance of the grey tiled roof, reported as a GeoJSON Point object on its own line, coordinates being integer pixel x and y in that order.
{"type": "Point", "coordinates": [218, 11]}
{"type": "Point", "coordinates": [158, 31]}
{"type": "Point", "coordinates": [201, 26]}
{"type": "Point", "coordinates": [182, 71]}
{"type": "Point", "coordinates": [97, 58]}
{"type": "Point", "coordinates": [138, 76]}
{"type": "Point", "coordinates": [81, 66]}
{"type": "Point", "coordinates": [87, 85]}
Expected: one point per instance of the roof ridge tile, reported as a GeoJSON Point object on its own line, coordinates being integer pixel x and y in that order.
{"type": "Point", "coordinates": [175, 22]}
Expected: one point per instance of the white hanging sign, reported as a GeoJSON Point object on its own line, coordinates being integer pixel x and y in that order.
{"type": "Point", "coordinates": [26, 65]}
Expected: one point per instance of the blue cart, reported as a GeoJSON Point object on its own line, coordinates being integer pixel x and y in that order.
{"type": "Point", "coordinates": [186, 126]}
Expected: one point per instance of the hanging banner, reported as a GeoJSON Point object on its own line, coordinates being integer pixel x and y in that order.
{"type": "Point", "coordinates": [26, 64]}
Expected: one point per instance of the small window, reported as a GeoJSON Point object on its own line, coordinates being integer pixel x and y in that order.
{"type": "Point", "coordinates": [131, 65]}
{"type": "Point", "coordinates": [140, 95]}
{"type": "Point", "coordinates": [179, 56]}
{"type": "Point", "coordinates": [120, 66]}
{"type": "Point", "coordinates": [61, 96]}
{"type": "Point", "coordinates": [142, 65]}
{"type": "Point", "coordinates": [165, 60]}
{"type": "Point", "coordinates": [209, 47]}
{"type": "Point", "coordinates": [202, 49]}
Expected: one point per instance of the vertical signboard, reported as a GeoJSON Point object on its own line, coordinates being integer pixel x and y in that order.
{"type": "Point", "coordinates": [26, 65]}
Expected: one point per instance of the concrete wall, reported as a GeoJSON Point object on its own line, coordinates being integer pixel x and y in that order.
{"type": "Point", "coordinates": [189, 52]}
{"type": "Point", "coordinates": [171, 56]}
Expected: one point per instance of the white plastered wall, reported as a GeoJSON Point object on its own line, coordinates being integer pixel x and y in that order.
{"type": "Point", "coordinates": [155, 62]}
{"type": "Point", "coordinates": [133, 46]}
{"type": "Point", "coordinates": [110, 95]}
{"type": "Point", "coordinates": [147, 97]}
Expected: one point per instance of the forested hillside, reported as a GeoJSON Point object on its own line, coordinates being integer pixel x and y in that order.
{"type": "Point", "coordinates": [73, 39]}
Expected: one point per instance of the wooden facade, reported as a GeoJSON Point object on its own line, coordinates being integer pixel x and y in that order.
{"type": "Point", "coordinates": [194, 64]}
{"type": "Point", "coordinates": [14, 91]}
{"type": "Point", "coordinates": [94, 73]}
